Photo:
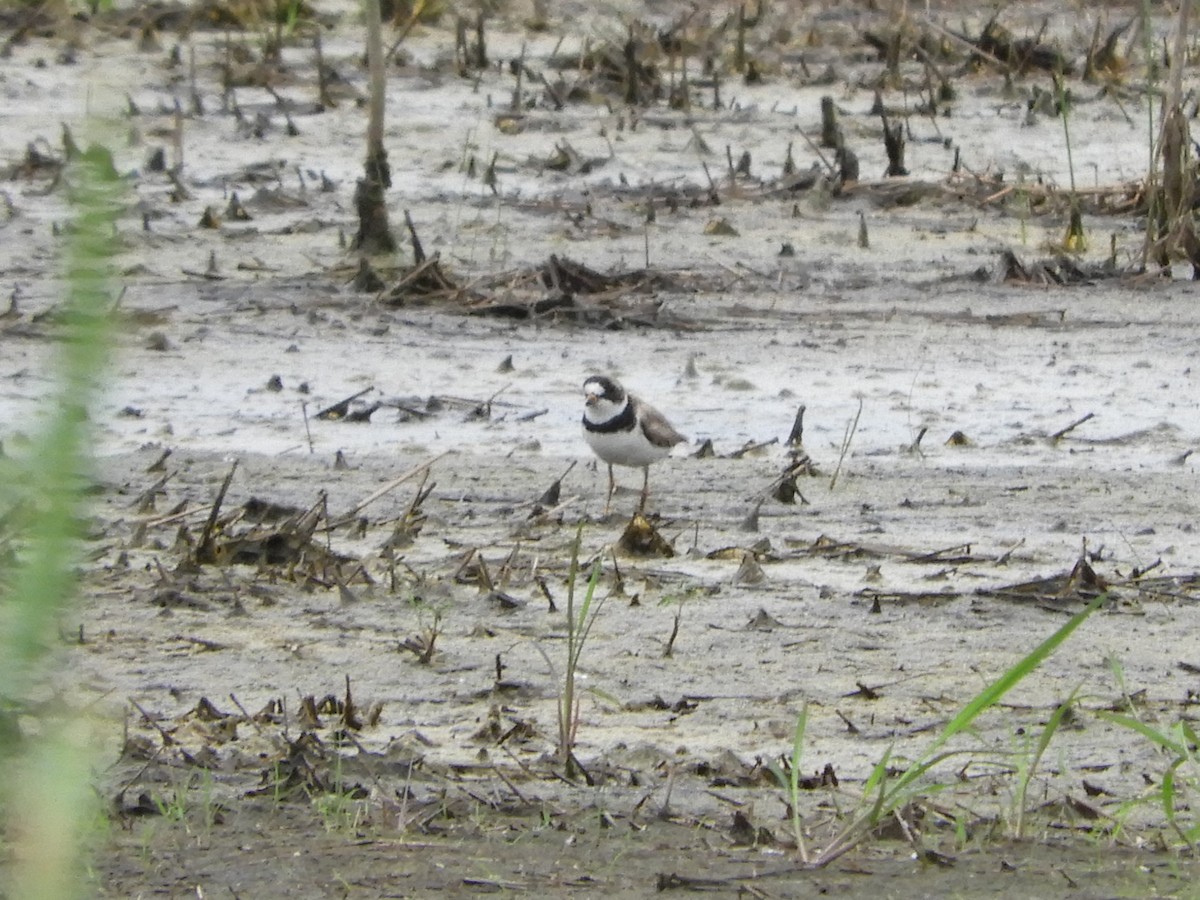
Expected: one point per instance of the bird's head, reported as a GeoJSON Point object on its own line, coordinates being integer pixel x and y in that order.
{"type": "Point", "coordinates": [603, 398]}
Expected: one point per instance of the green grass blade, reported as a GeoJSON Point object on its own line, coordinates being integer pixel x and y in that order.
{"type": "Point", "coordinates": [1189, 736]}
{"type": "Point", "coordinates": [876, 778]}
{"type": "Point", "coordinates": [583, 626]}
{"type": "Point", "coordinates": [798, 744]}
{"type": "Point", "coordinates": [1043, 742]}
{"type": "Point", "coordinates": [991, 694]}
{"type": "Point", "coordinates": [794, 780]}
{"type": "Point", "coordinates": [1167, 792]}
{"type": "Point", "coordinates": [891, 796]}
{"type": "Point", "coordinates": [46, 787]}
{"type": "Point", "coordinates": [1144, 730]}
{"type": "Point", "coordinates": [44, 580]}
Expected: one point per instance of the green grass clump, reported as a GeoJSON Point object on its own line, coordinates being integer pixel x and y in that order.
{"type": "Point", "coordinates": [44, 788]}
{"type": "Point", "coordinates": [887, 791]}
{"type": "Point", "coordinates": [579, 626]}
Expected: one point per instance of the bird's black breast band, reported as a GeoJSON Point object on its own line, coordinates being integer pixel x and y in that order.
{"type": "Point", "coordinates": [622, 421]}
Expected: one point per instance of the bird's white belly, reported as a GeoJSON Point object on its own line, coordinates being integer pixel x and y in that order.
{"type": "Point", "coordinates": [624, 448]}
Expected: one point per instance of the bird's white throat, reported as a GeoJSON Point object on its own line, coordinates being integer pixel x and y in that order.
{"type": "Point", "coordinates": [602, 410]}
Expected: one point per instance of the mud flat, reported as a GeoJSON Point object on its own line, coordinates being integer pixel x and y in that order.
{"type": "Point", "coordinates": [323, 625]}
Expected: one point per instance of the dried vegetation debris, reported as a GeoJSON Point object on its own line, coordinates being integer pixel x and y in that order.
{"type": "Point", "coordinates": [363, 766]}
{"type": "Point", "coordinates": [1066, 591]}
{"type": "Point", "coordinates": [559, 290]}
{"type": "Point", "coordinates": [645, 70]}
{"type": "Point", "coordinates": [312, 751]}
{"type": "Point", "coordinates": [286, 543]}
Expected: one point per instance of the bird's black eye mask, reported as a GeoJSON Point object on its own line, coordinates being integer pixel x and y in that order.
{"type": "Point", "coordinates": [610, 390]}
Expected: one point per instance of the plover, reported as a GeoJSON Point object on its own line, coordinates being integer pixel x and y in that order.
{"type": "Point", "coordinates": [625, 431]}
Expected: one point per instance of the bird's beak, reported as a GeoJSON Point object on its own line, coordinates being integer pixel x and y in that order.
{"type": "Point", "coordinates": [591, 400]}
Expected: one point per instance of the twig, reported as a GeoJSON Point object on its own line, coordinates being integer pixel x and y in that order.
{"type": "Point", "coordinates": [339, 409]}
{"type": "Point", "coordinates": [167, 739]}
{"type": "Point", "coordinates": [249, 718]}
{"type": "Point", "coordinates": [414, 17]}
{"type": "Point", "coordinates": [669, 649]}
{"type": "Point", "coordinates": [846, 439]}
{"type": "Point", "coordinates": [812, 145]}
{"type": "Point", "coordinates": [1003, 558]}
{"type": "Point", "coordinates": [488, 403]}
{"type": "Point", "coordinates": [1062, 432]}
{"type": "Point", "coordinates": [307, 430]}
{"type": "Point", "coordinates": [966, 44]}
{"type": "Point", "coordinates": [171, 517]}
{"type": "Point", "coordinates": [939, 555]}
{"type": "Point", "coordinates": [391, 485]}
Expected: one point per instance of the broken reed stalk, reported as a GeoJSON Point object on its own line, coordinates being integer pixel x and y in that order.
{"type": "Point", "coordinates": [378, 90]}
{"type": "Point", "coordinates": [307, 430]}
{"type": "Point", "coordinates": [893, 144]}
{"type": "Point", "coordinates": [851, 428]}
{"type": "Point", "coordinates": [177, 139]}
{"type": "Point", "coordinates": [669, 650]}
{"type": "Point", "coordinates": [324, 99]}
{"type": "Point", "coordinates": [481, 57]}
{"type": "Point", "coordinates": [1177, 231]}
{"type": "Point", "coordinates": [1156, 224]}
{"type": "Point", "coordinates": [417, 248]}
{"type": "Point", "coordinates": [1178, 57]}
{"type": "Point", "coordinates": [516, 97]}
{"type": "Point", "coordinates": [796, 435]}
{"type": "Point", "coordinates": [390, 486]}
{"type": "Point", "coordinates": [631, 70]}
{"type": "Point", "coordinates": [204, 548]}
{"type": "Point", "coordinates": [739, 50]}
{"type": "Point", "coordinates": [831, 136]}
{"type": "Point", "coordinates": [374, 234]}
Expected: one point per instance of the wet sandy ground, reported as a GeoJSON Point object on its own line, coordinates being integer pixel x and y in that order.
{"type": "Point", "coordinates": [884, 601]}
{"type": "Point", "coordinates": [880, 602]}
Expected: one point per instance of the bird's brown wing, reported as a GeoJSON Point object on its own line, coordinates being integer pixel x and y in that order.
{"type": "Point", "coordinates": [657, 429]}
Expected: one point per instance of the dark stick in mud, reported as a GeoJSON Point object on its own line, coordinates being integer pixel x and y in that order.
{"type": "Point", "coordinates": [796, 435]}
{"type": "Point", "coordinates": [516, 97]}
{"type": "Point", "coordinates": [1063, 432]}
{"type": "Point", "coordinates": [893, 142]}
{"type": "Point", "coordinates": [418, 250]}
{"type": "Point", "coordinates": [204, 549]}
{"type": "Point", "coordinates": [831, 132]}
{"type": "Point", "coordinates": [669, 650]}
{"type": "Point", "coordinates": [339, 409]}
{"type": "Point", "coordinates": [631, 70]}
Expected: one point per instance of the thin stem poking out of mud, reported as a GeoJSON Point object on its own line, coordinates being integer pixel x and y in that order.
{"type": "Point", "coordinates": [847, 438]}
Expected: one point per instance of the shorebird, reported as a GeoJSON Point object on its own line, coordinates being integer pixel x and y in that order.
{"type": "Point", "coordinates": [623, 430]}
